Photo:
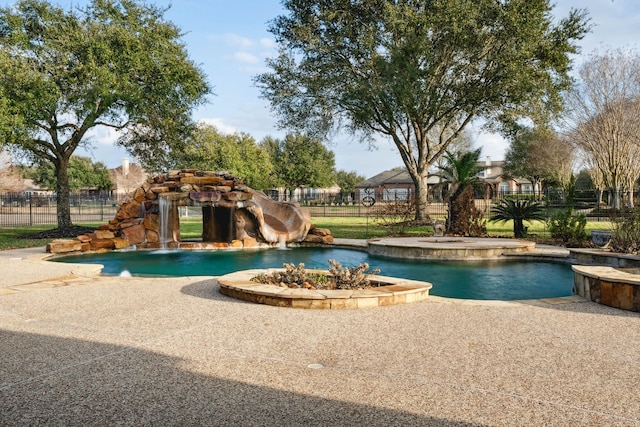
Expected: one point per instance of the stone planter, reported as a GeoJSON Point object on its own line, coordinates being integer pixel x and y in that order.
{"type": "Point", "coordinates": [393, 291]}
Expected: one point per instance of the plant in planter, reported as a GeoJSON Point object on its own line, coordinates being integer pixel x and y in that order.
{"type": "Point", "coordinates": [339, 277]}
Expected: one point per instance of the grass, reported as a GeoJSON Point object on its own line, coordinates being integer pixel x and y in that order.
{"type": "Point", "coordinates": [341, 227]}
{"type": "Point", "coordinates": [12, 237]}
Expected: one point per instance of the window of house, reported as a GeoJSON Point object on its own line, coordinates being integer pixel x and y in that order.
{"type": "Point", "coordinates": [504, 188]}
{"type": "Point", "coordinates": [391, 194]}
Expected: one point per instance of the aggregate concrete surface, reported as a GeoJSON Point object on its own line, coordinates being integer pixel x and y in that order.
{"type": "Point", "coordinates": [81, 349]}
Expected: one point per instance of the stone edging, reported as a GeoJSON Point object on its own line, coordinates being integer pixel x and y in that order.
{"type": "Point", "coordinates": [608, 286]}
{"type": "Point", "coordinates": [398, 291]}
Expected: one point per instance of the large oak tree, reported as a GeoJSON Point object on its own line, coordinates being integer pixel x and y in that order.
{"type": "Point", "coordinates": [417, 72]}
{"type": "Point", "coordinates": [300, 160]}
{"type": "Point", "coordinates": [238, 153]}
{"type": "Point", "coordinates": [115, 63]}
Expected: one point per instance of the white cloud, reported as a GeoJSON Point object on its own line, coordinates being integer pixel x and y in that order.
{"type": "Point", "coordinates": [267, 43]}
{"type": "Point", "coordinates": [238, 41]}
{"type": "Point", "coordinates": [246, 57]}
{"type": "Point", "coordinates": [220, 125]}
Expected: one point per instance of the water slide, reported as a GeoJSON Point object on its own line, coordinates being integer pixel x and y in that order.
{"type": "Point", "coordinates": [279, 221]}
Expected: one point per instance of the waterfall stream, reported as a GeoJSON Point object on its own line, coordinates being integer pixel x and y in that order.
{"type": "Point", "coordinates": [164, 206]}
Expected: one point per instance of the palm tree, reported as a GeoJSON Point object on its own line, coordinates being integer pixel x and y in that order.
{"type": "Point", "coordinates": [518, 211]}
{"type": "Point", "coordinates": [461, 173]}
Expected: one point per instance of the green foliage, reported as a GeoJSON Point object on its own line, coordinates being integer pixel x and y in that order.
{"type": "Point", "coordinates": [418, 72]}
{"type": "Point", "coordinates": [237, 153]}
{"type": "Point", "coordinates": [347, 181]}
{"type": "Point", "coordinates": [625, 236]}
{"type": "Point", "coordinates": [84, 174]}
{"type": "Point", "coordinates": [115, 63]}
{"type": "Point", "coordinates": [301, 160]}
{"type": "Point", "coordinates": [460, 173]}
{"type": "Point", "coordinates": [517, 211]}
{"type": "Point", "coordinates": [567, 226]}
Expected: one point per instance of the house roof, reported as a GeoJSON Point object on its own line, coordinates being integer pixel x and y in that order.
{"type": "Point", "coordinates": [393, 176]}
{"type": "Point", "coordinates": [402, 177]}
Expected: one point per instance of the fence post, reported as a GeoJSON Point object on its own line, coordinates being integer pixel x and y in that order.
{"type": "Point", "coordinates": [30, 210]}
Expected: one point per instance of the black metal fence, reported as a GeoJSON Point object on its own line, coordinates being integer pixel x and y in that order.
{"type": "Point", "coordinates": [19, 209]}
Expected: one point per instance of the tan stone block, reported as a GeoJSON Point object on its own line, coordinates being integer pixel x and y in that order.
{"type": "Point", "coordinates": [104, 227]}
{"type": "Point", "coordinates": [134, 234]}
{"type": "Point", "coordinates": [120, 243]}
{"type": "Point", "coordinates": [367, 302]}
{"type": "Point", "coordinates": [152, 222]}
{"type": "Point", "coordinates": [317, 304]}
{"type": "Point", "coordinates": [327, 239]}
{"type": "Point", "coordinates": [236, 244]}
{"type": "Point", "coordinates": [59, 246]}
{"type": "Point", "coordinates": [237, 196]}
{"type": "Point", "coordinates": [104, 234]}
{"type": "Point", "coordinates": [159, 189]}
{"type": "Point", "coordinates": [320, 231]}
{"type": "Point", "coordinates": [339, 304]}
{"type": "Point", "coordinates": [202, 180]}
{"type": "Point", "coordinates": [130, 210]}
{"type": "Point", "coordinates": [155, 245]}
{"type": "Point", "coordinates": [97, 244]}
{"type": "Point", "coordinates": [84, 238]}
{"type": "Point", "coordinates": [85, 246]}
{"type": "Point", "coordinates": [139, 195]}
{"type": "Point", "coordinates": [311, 238]}
{"type": "Point", "coordinates": [249, 242]}
{"type": "Point", "coordinates": [152, 236]}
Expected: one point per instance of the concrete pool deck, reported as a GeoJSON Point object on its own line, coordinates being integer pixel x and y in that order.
{"type": "Point", "coordinates": [77, 348]}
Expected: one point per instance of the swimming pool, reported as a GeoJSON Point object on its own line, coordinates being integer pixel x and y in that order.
{"type": "Point", "coordinates": [483, 280]}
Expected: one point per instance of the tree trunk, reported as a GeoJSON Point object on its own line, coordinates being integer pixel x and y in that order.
{"type": "Point", "coordinates": [518, 228]}
{"type": "Point", "coordinates": [422, 200]}
{"type": "Point", "coordinates": [616, 198]}
{"type": "Point", "coordinates": [62, 194]}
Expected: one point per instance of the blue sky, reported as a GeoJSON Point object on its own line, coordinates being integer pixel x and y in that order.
{"type": "Point", "coordinates": [229, 40]}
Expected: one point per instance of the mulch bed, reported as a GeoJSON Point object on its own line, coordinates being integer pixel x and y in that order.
{"type": "Point", "coordinates": [60, 233]}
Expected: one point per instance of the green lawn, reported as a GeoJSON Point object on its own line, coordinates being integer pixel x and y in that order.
{"type": "Point", "coordinates": [341, 227]}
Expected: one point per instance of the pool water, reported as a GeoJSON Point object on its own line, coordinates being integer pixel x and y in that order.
{"type": "Point", "coordinates": [483, 280]}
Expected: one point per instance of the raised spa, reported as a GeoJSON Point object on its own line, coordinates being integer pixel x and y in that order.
{"type": "Point", "coordinates": [482, 280]}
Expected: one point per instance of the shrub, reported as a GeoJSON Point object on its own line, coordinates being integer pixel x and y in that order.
{"type": "Point", "coordinates": [396, 215]}
{"type": "Point", "coordinates": [339, 277]}
{"type": "Point", "coordinates": [518, 211]}
{"type": "Point", "coordinates": [625, 237]}
{"type": "Point", "coordinates": [567, 226]}
{"type": "Point", "coordinates": [294, 277]}
{"type": "Point", "coordinates": [350, 277]}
